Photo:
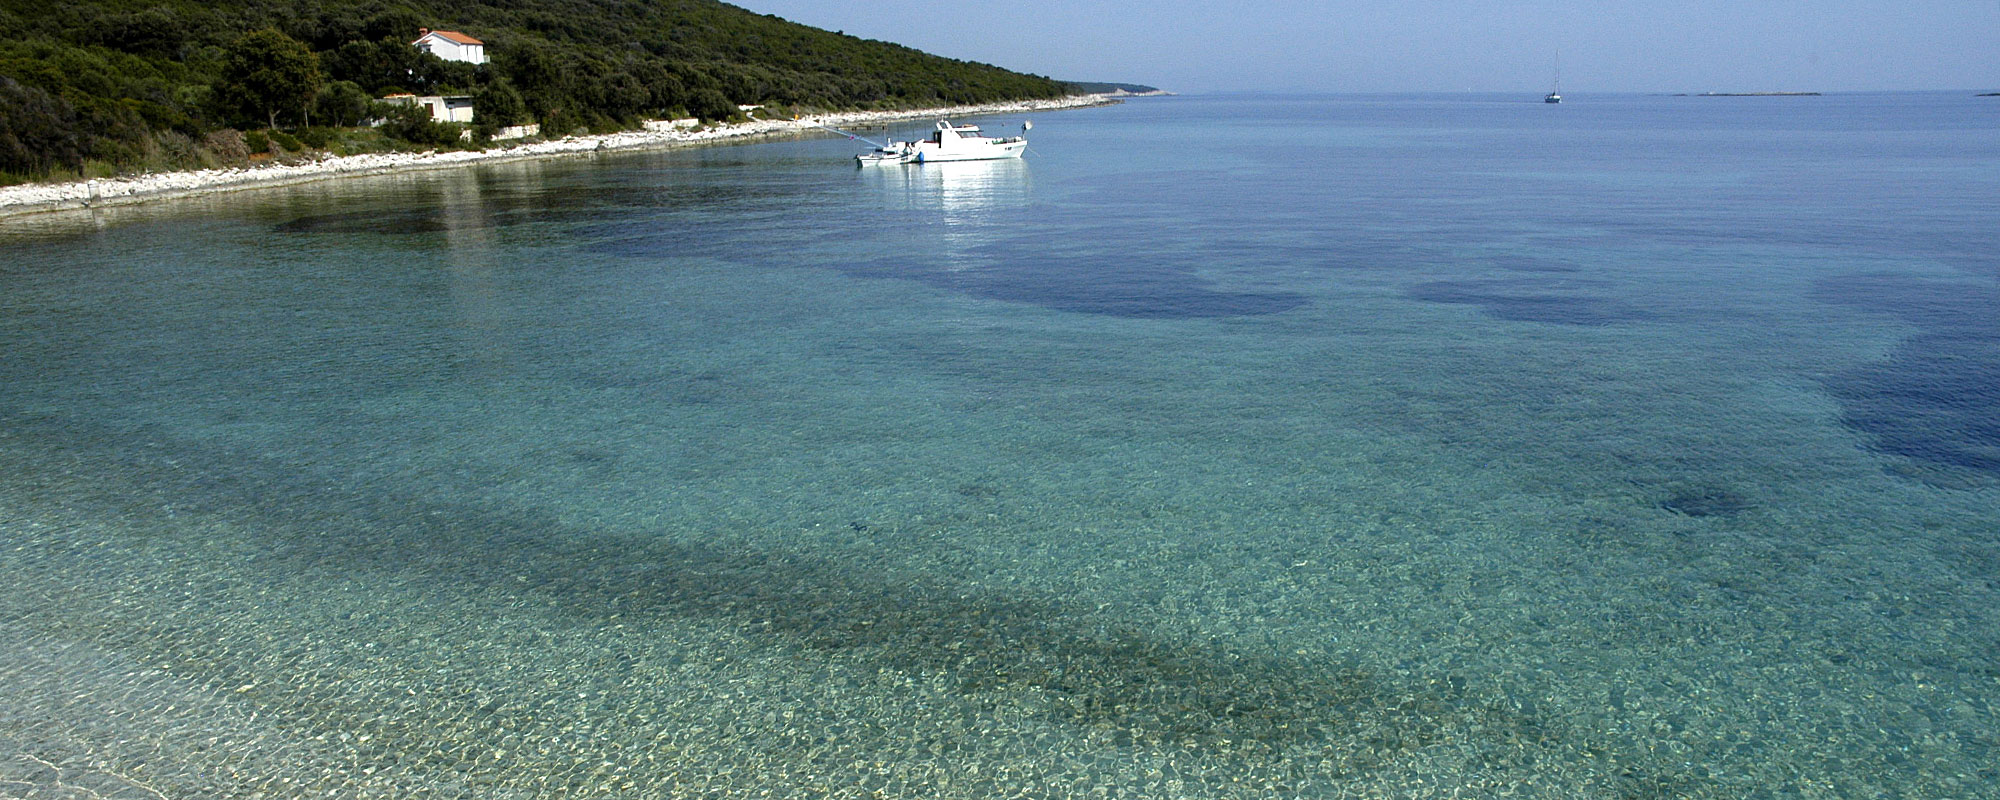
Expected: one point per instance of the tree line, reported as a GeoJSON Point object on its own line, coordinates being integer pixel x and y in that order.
{"type": "Point", "coordinates": [90, 86]}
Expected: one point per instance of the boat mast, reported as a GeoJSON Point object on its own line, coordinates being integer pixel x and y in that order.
{"type": "Point", "coordinates": [1556, 87]}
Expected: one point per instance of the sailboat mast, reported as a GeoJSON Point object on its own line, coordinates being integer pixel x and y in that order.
{"type": "Point", "coordinates": [1556, 88]}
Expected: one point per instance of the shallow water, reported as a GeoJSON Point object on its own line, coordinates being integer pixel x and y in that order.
{"type": "Point", "coordinates": [1223, 447]}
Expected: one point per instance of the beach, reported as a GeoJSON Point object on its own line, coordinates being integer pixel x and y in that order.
{"type": "Point", "coordinates": [39, 197]}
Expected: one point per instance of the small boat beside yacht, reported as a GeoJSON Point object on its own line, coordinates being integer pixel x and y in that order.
{"type": "Point", "coordinates": [891, 153]}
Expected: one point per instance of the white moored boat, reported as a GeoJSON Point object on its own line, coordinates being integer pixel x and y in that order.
{"type": "Point", "coordinates": [948, 143]}
{"type": "Point", "coordinates": [891, 154]}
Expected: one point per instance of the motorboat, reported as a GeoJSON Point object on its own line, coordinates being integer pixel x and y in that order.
{"type": "Point", "coordinates": [948, 142]}
{"type": "Point", "coordinates": [965, 143]}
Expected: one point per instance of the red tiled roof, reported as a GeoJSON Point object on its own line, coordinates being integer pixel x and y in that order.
{"type": "Point", "coordinates": [451, 36]}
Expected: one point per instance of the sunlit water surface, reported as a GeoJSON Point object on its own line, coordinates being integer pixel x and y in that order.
{"type": "Point", "coordinates": [1223, 447]}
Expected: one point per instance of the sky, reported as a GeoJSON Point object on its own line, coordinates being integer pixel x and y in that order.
{"type": "Point", "coordinates": [1449, 45]}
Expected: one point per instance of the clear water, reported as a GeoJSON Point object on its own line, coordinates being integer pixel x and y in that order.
{"type": "Point", "coordinates": [1224, 447]}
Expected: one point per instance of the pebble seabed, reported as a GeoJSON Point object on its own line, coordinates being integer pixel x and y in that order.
{"type": "Point", "coordinates": [405, 647]}
{"type": "Point", "coordinates": [31, 198]}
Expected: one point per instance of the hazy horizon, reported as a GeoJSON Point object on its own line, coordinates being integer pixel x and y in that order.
{"type": "Point", "coordinates": [1452, 45]}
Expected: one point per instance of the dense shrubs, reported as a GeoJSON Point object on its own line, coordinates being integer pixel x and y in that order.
{"type": "Point", "coordinates": [315, 136]}
{"type": "Point", "coordinates": [41, 133]}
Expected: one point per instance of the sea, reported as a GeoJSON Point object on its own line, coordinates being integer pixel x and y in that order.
{"type": "Point", "coordinates": [1225, 446]}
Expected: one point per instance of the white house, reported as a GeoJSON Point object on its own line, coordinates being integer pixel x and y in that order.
{"type": "Point", "coordinates": [452, 46]}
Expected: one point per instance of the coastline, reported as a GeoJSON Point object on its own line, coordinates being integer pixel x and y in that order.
{"type": "Point", "coordinates": [34, 198]}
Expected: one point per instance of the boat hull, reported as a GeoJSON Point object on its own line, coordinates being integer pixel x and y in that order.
{"type": "Point", "coordinates": [998, 150]}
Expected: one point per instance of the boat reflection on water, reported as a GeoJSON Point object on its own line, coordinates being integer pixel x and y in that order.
{"type": "Point", "coordinates": [957, 190]}
{"type": "Point", "coordinates": [964, 205]}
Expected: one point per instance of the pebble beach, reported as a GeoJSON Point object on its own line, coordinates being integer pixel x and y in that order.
{"type": "Point", "coordinates": [39, 197]}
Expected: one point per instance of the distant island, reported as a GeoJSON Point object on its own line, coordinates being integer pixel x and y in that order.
{"type": "Point", "coordinates": [1752, 94]}
{"type": "Point", "coordinates": [1990, 94]}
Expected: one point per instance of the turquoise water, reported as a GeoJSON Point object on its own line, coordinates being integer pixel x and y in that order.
{"type": "Point", "coordinates": [1234, 446]}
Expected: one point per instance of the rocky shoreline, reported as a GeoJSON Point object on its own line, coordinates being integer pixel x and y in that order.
{"type": "Point", "coordinates": [35, 198]}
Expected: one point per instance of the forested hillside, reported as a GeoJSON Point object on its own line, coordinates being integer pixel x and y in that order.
{"type": "Point", "coordinates": [97, 86]}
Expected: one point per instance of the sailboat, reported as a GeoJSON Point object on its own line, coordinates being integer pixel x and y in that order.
{"type": "Point", "coordinates": [1555, 92]}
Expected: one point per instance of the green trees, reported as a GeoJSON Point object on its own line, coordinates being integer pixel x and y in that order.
{"type": "Point", "coordinates": [156, 31]}
{"type": "Point", "coordinates": [543, 76]}
{"type": "Point", "coordinates": [374, 65]}
{"type": "Point", "coordinates": [496, 105]}
{"type": "Point", "coordinates": [266, 73]}
{"type": "Point", "coordinates": [342, 103]}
